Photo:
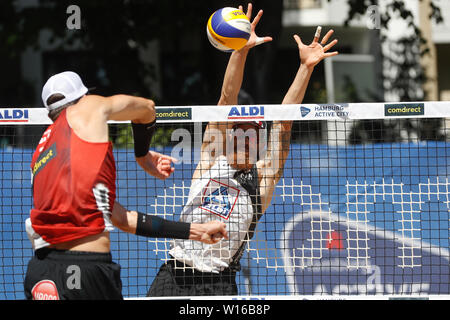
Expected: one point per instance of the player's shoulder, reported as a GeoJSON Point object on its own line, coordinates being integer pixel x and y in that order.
{"type": "Point", "coordinates": [91, 101]}
{"type": "Point", "coordinates": [88, 108]}
{"type": "Point", "coordinates": [92, 104]}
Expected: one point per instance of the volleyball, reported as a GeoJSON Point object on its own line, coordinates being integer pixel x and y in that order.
{"type": "Point", "coordinates": [228, 29]}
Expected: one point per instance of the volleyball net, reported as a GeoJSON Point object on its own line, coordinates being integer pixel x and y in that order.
{"type": "Point", "coordinates": [362, 208]}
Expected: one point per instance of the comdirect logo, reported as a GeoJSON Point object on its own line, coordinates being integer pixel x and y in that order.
{"type": "Point", "coordinates": [44, 159]}
{"type": "Point", "coordinates": [404, 109]}
{"type": "Point", "coordinates": [174, 114]}
{"type": "Point", "coordinates": [14, 115]}
{"type": "Point", "coordinates": [245, 112]}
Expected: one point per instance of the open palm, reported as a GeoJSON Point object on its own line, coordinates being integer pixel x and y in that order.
{"type": "Point", "coordinates": [254, 40]}
{"type": "Point", "coordinates": [311, 55]}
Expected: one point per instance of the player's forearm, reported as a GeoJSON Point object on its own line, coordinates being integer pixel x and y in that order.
{"type": "Point", "coordinates": [233, 78]}
{"type": "Point", "coordinates": [297, 90]}
{"type": "Point", "coordinates": [150, 226]}
{"type": "Point", "coordinates": [123, 219]}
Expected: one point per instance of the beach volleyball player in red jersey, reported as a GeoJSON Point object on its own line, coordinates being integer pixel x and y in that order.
{"type": "Point", "coordinates": [74, 193]}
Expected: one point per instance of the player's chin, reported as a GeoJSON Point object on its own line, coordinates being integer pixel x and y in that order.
{"type": "Point", "coordinates": [244, 165]}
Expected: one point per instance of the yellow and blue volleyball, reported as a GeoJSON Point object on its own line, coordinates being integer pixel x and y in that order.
{"type": "Point", "coordinates": [228, 29]}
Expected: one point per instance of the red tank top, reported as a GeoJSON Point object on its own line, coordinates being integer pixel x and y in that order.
{"type": "Point", "coordinates": [73, 185]}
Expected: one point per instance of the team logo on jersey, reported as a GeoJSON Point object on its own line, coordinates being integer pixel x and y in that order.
{"type": "Point", "coordinates": [219, 198]}
{"type": "Point", "coordinates": [44, 158]}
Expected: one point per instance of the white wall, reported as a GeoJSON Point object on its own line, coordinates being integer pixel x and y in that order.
{"type": "Point", "coordinates": [441, 32]}
{"type": "Point", "coordinates": [331, 13]}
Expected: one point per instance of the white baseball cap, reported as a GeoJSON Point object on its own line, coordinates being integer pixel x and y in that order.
{"type": "Point", "coordinates": [68, 84]}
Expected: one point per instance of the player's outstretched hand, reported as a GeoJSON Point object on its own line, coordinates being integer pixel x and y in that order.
{"type": "Point", "coordinates": [312, 54]}
{"type": "Point", "coordinates": [254, 40]}
{"type": "Point", "coordinates": [157, 164]}
{"type": "Point", "coordinates": [210, 232]}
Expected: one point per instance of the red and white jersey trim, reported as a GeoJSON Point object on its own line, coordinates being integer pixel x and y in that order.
{"type": "Point", "coordinates": [36, 240]}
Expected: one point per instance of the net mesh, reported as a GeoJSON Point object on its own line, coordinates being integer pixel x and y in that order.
{"type": "Point", "coordinates": [362, 208]}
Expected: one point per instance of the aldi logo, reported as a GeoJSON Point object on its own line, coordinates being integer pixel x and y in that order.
{"type": "Point", "coordinates": [219, 198]}
{"type": "Point", "coordinates": [246, 112]}
{"type": "Point", "coordinates": [14, 115]}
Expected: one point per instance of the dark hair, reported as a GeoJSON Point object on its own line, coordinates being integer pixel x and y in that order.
{"type": "Point", "coordinates": [53, 114]}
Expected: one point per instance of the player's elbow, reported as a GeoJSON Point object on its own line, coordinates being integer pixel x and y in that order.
{"type": "Point", "coordinates": [123, 219]}
{"type": "Point", "coordinates": [149, 111]}
{"type": "Point", "coordinates": [226, 98]}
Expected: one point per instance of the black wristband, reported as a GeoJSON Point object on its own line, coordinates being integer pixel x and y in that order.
{"type": "Point", "coordinates": [142, 134]}
{"type": "Point", "coordinates": [155, 227]}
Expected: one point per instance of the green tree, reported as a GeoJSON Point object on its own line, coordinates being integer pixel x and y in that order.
{"type": "Point", "coordinates": [406, 76]}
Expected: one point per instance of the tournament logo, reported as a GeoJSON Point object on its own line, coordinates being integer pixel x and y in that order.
{"type": "Point", "coordinates": [219, 198]}
{"type": "Point", "coordinates": [304, 111]}
{"type": "Point", "coordinates": [246, 112]}
{"type": "Point", "coordinates": [14, 115]}
{"type": "Point", "coordinates": [404, 109]}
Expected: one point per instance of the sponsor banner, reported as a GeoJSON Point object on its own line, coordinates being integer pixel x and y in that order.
{"type": "Point", "coordinates": [20, 116]}
{"type": "Point", "coordinates": [269, 112]}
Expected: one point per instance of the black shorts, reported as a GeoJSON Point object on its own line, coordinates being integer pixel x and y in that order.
{"type": "Point", "coordinates": [72, 275]}
{"type": "Point", "coordinates": [180, 281]}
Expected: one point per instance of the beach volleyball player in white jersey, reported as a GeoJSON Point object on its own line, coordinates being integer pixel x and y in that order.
{"type": "Point", "coordinates": [234, 180]}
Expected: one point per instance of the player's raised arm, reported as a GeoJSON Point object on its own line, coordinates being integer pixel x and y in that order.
{"type": "Point", "coordinates": [279, 139]}
{"type": "Point", "coordinates": [214, 137]}
{"type": "Point", "coordinates": [234, 73]}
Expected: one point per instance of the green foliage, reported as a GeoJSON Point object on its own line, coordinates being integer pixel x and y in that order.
{"type": "Point", "coordinates": [124, 137]}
